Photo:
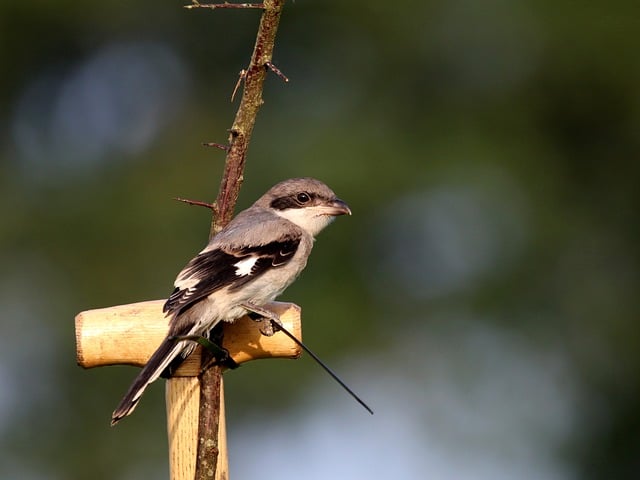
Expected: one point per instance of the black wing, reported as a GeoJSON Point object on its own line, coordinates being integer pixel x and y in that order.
{"type": "Point", "coordinates": [216, 269]}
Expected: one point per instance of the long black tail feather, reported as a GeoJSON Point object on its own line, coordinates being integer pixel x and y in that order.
{"type": "Point", "coordinates": [168, 350]}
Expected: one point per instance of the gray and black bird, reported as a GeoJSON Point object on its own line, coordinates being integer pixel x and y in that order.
{"type": "Point", "coordinates": [249, 262]}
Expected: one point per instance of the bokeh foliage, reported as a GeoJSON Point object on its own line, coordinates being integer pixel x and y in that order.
{"type": "Point", "coordinates": [520, 119]}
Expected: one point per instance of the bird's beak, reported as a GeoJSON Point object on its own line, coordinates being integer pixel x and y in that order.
{"type": "Point", "coordinates": [337, 207]}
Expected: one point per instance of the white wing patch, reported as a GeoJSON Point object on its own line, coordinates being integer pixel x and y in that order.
{"type": "Point", "coordinates": [244, 266]}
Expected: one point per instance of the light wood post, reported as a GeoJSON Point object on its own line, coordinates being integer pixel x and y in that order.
{"type": "Point", "coordinates": [129, 334]}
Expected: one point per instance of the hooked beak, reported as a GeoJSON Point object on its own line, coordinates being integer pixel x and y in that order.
{"type": "Point", "coordinates": [336, 207]}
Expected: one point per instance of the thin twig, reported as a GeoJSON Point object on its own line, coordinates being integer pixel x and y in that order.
{"type": "Point", "coordinates": [277, 71]}
{"type": "Point", "coordinates": [213, 6]}
{"type": "Point", "coordinates": [241, 76]}
{"type": "Point", "coordinates": [216, 145]}
{"type": "Point", "coordinates": [210, 206]}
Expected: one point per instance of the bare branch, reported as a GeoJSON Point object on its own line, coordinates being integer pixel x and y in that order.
{"type": "Point", "coordinates": [252, 81]}
{"type": "Point", "coordinates": [208, 424]}
{"type": "Point", "coordinates": [244, 122]}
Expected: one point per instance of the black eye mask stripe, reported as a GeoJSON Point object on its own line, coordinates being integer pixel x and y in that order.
{"type": "Point", "coordinates": [290, 201]}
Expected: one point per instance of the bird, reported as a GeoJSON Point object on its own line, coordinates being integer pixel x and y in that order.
{"type": "Point", "coordinates": [250, 262]}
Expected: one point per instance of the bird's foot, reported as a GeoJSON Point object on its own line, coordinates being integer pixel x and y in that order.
{"type": "Point", "coordinates": [219, 355]}
{"type": "Point", "coordinates": [270, 320]}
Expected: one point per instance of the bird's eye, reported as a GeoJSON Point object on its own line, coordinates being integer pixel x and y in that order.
{"type": "Point", "coordinates": [303, 197]}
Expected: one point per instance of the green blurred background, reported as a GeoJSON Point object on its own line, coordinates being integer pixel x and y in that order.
{"type": "Point", "coordinates": [483, 297]}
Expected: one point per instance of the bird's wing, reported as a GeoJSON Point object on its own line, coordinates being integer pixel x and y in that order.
{"type": "Point", "coordinates": [227, 266]}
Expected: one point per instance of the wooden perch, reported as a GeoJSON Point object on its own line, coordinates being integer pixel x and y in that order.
{"type": "Point", "coordinates": [129, 334]}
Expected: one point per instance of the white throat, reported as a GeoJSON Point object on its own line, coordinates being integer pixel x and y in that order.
{"type": "Point", "coordinates": [311, 219]}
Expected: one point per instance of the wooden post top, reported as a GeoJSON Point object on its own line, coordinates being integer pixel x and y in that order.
{"type": "Point", "coordinates": [129, 334]}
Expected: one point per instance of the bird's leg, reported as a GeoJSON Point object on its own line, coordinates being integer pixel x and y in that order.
{"type": "Point", "coordinates": [219, 355]}
{"type": "Point", "coordinates": [267, 317]}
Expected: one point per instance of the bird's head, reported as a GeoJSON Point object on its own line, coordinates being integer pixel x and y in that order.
{"type": "Point", "coordinates": [307, 202]}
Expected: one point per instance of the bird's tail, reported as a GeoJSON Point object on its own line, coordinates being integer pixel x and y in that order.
{"type": "Point", "coordinates": [168, 350]}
